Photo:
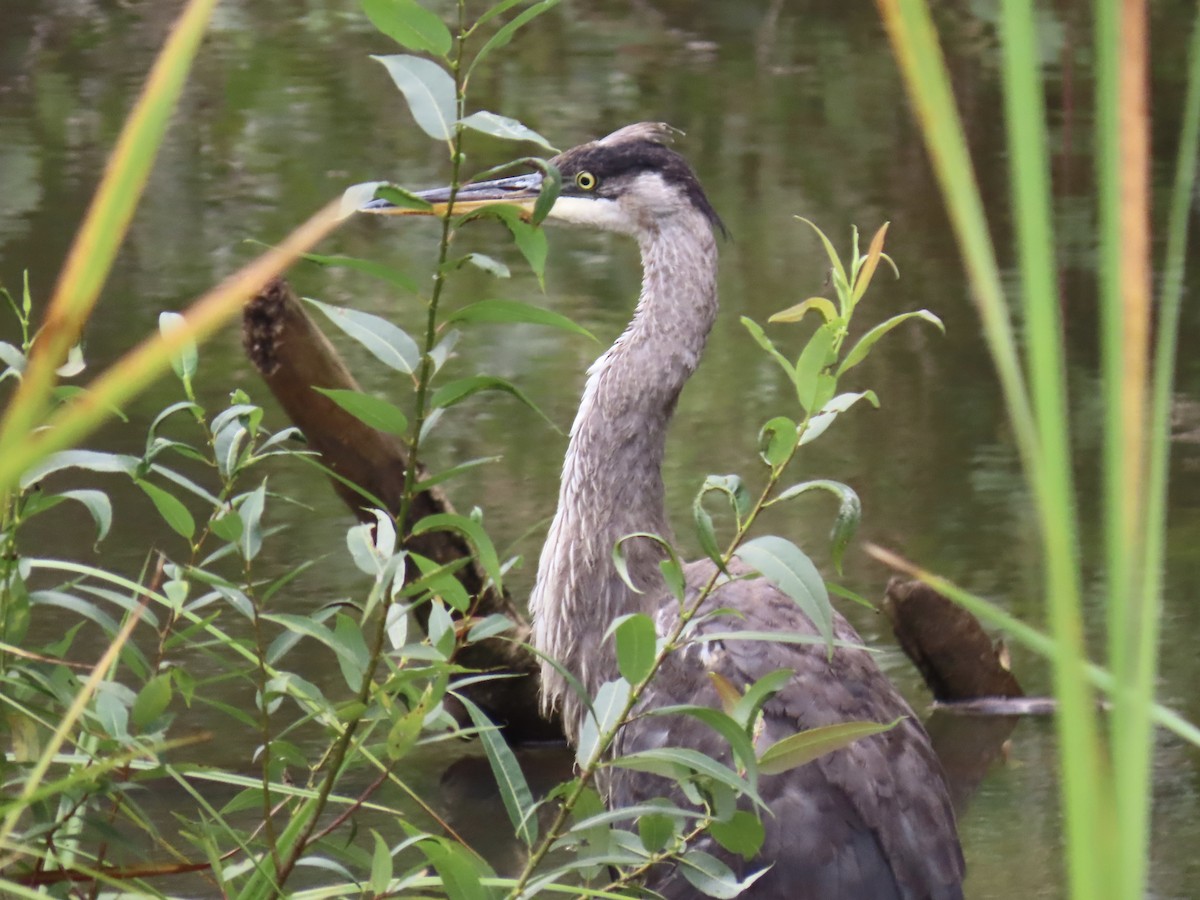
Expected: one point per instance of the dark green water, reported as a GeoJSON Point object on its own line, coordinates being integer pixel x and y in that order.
{"type": "Point", "coordinates": [789, 108]}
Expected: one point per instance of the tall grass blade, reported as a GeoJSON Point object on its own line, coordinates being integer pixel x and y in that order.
{"type": "Point", "coordinates": [1158, 449]}
{"type": "Point", "coordinates": [1123, 170]}
{"type": "Point", "coordinates": [1087, 821]}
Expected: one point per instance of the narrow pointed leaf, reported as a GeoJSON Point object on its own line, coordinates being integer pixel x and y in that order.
{"type": "Point", "coordinates": [742, 834]}
{"type": "Point", "coordinates": [504, 128]}
{"type": "Point", "coordinates": [816, 742]}
{"type": "Point", "coordinates": [763, 341]}
{"type": "Point", "coordinates": [834, 259]}
{"type": "Point", "coordinates": [409, 24]}
{"type": "Point", "coordinates": [386, 342]}
{"type": "Point", "coordinates": [516, 312]}
{"type": "Point", "coordinates": [834, 407]}
{"type": "Point", "coordinates": [506, 31]}
{"type": "Point", "coordinates": [370, 410]}
{"type": "Point", "coordinates": [429, 90]}
{"type": "Point", "coordinates": [473, 532]}
{"type": "Point", "coordinates": [173, 512]}
{"type": "Point", "coordinates": [848, 517]}
{"type": "Point", "coordinates": [788, 568]}
{"type": "Point", "coordinates": [867, 272]}
{"type": "Point", "coordinates": [91, 460]}
{"type": "Point", "coordinates": [452, 393]}
{"type": "Point", "coordinates": [860, 350]}
{"type": "Point", "coordinates": [367, 267]}
{"type": "Point", "coordinates": [98, 505]}
{"type": "Point", "coordinates": [813, 359]}
{"type": "Point", "coordinates": [796, 313]}
{"type": "Point", "coordinates": [637, 644]}
{"type": "Point", "coordinates": [514, 789]}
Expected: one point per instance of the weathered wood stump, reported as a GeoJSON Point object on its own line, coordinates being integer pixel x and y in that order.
{"type": "Point", "coordinates": [294, 357]}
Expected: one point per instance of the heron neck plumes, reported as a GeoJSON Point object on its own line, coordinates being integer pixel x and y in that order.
{"type": "Point", "coordinates": [612, 476]}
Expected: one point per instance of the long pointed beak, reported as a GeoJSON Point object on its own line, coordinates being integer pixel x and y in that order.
{"type": "Point", "coordinates": [517, 190]}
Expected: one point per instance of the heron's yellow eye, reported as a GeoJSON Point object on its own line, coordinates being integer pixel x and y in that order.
{"type": "Point", "coordinates": [586, 181]}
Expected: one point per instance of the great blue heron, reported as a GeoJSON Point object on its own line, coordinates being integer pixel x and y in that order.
{"type": "Point", "coordinates": [871, 821]}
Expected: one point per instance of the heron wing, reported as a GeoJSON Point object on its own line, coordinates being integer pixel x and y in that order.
{"type": "Point", "coordinates": [870, 820]}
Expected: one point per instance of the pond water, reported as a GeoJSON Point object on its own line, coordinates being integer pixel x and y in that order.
{"type": "Point", "coordinates": [790, 109]}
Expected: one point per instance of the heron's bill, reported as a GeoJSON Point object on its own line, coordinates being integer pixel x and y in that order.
{"type": "Point", "coordinates": [520, 191]}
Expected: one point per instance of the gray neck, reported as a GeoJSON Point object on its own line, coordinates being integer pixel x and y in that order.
{"type": "Point", "coordinates": [612, 476]}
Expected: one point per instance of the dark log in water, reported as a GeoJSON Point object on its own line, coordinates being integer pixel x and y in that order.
{"type": "Point", "coordinates": [294, 357]}
{"type": "Point", "coordinates": [947, 644]}
{"type": "Point", "coordinates": [965, 671]}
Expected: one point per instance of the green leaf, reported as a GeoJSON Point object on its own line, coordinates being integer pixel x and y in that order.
{"type": "Point", "coordinates": [473, 532]}
{"type": "Point", "coordinates": [683, 762]}
{"type": "Point", "coordinates": [405, 732]}
{"type": "Point", "coordinates": [440, 628]}
{"type": "Point", "coordinates": [637, 645]}
{"type": "Point", "coordinates": [606, 711]}
{"type": "Point", "coordinates": [381, 858]}
{"type": "Point", "coordinates": [839, 590]}
{"type": "Point", "coordinates": [485, 262]}
{"type": "Point", "coordinates": [429, 90]}
{"type": "Point", "coordinates": [848, 517]}
{"type": "Point", "coordinates": [862, 279]}
{"type": "Point", "coordinates": [788, 568]}
{"type": "Point", "coordinates": [656, 830]}
{"type": "Point", "coordinates": [813, 359]}
{"type": "Point", "coordinates": [185, 361]}
{"type": "Point", "coordinates": [12, 357]}
{"type": "Point", "coordinates": [763, 341]}
{"type": "Point", "coordinates": [409, 24]}
{"type": "Point", "coordinates": [386, 342]}
{"type": "Point", "coordinates": [91, 460]}
{"type": "Point", "coordinates": [549, 192]}
{"type": "Point", "coordinates": [721, 722]}
{"type": "Point", "coordinates": [797, 312]}
{"type": "Point", "coordinates": [834, 259]}
{"type": "Point", "coordinates": [97, 503]}
{"type": "Point", "coordinates": [251, 511]}
{"type": "Point", "coordinates": [152, 700]}
{"type": "Point", "coordinates": [74, 364]}
{"type": "Point", "coordinates": [504, 128]}
{"type": "Point", "coordinates": [860, 350]}
{"type": "Point", "coordinates": [173, 512]}
{"type": "Point", "coordinates": [454, 471]}
{"type": "Point", "coordinates": [439, 581]}
{"type": "Point", "coordinates": [809, 745]}
{"type": "Point", "coordinates": [712, 877]}
{"type": "Point", "coordinates": [460, 872]}
{"type": "Point", "coordinates": [777, 440]}
{"type": "Point", "coordinates": [830, 410]}
{"type": "Point", "coordinates": [367, 266]}
{"type": "Point", "coordinates": [505, 33]}
{"type": "Point", "coordinates": [622, 565]}
{"type": "Point", "coordinates": [705, 531]}
{"type": "Point", "coordinates": [352, 654]}
{"type": "Point", "coordinates": [531, 241]}
{"type": "Point", "coordinates": [514, 789]}
{"type": "Point", "coordinates": [516, 312]}
{"type": "Point", "coordinates": [450, 394]}
{"type": "Point", "coordinates": [373, 411]}
{"type": "Point", "coordinates": [745, 711]}
{"type": "Point", "coordinates": [743, 833]}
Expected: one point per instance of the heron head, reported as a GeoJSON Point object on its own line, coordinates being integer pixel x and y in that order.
{"type": "Point", "coordinates": [629, 182]}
